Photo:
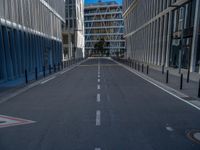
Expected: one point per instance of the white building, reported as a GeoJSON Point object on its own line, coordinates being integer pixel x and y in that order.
{"type": "Point", "coordinates": [73, 30]}
{"type": "Point", "coordinates": [30, 36]}
{"type": "Point", "coordinates": [103, 20]}
{"type": "Point", "coordinates": [163, 32]}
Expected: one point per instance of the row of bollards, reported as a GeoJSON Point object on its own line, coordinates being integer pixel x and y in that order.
{"type": "Point", "coordinates": [55, 68]}
{"type": "Point", "coordinates": [136, 65]}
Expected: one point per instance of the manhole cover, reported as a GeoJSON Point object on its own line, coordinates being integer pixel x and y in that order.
{"type": "Point", "coordinates": [194, 136]}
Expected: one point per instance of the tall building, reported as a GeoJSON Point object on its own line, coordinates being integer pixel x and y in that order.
{"type": "Point", "coordinates": [30, 36]}
{"type": "Point", "coordinates": [103, 20]}
{"type": "Point", "coordinates": [163, 32]}
{"type": "Point", "coordinates": [73, 30]}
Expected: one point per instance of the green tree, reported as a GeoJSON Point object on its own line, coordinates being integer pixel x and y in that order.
{"type": "Point", "coordinates": [99, 47]}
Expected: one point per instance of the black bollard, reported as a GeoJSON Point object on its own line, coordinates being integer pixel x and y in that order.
{"type": "Point", "coordinates": [138, 66]}
{"type": "Point", "coordinates": [44, 71]}
{"type": "Point", "coordinates": [36, 73]}
{"type": "Point", "coordinates": [49, 69]}
{"type": "Point", "coordinates": [163, 69]}
{"type": "Point", "coordinates": [181, 82]}
{"type": "Point", "coordinates": [199, 89]}
{"type": "Point", "coordinates": [54, 67]}
{"type": "Point", "coordinates": [167, 77]}
{"type": "Point", "coordinates": [26, 76]}
{"type": "Point", "coordinates": [188, 76]}
{"type": "Point", "coordinates": [58, 66]}
{"type": "Point", "coordinates": [147, 69]}
{"type": "Point", "coordinates": [142, 67]}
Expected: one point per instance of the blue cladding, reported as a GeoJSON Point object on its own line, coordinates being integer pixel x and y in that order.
{"type": "Point", "coordinates": [20, 51]}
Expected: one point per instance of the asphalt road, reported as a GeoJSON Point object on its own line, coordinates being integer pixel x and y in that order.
{"type": "Point", "coordinates": [99, 105]}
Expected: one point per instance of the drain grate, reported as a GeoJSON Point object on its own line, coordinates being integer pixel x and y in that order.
{"type": "Point", "coordinates": [194, 136]}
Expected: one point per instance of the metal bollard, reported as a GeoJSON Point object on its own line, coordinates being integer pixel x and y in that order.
{"type": "Point", "coordinates": [44, 71]}
{"type": "Point", "coordinates": [147, 69]}
{"type": "Point", "coordinates": [163, 69]}
{"type": "Point", "coordinates": [26, 76]}
{"type": "Point", "coordinates": [138, 66]}
{"type": "Point", "coordinates": [142, 67]}
{"type": "Point", "coordinates": [58, 66]}
{"type": "Point", "coordinates": [36, 73]}
{"type": "Point", "coordinates": [49, 69]}
{"type": "Point", "coordinates": [54, 67]}
{"type": "Point", "coordinates": [167, 77]}
{"type": "Point", "coordinates": [199, 89]}
{"type": "Point", "coordinates": [188, 76]}
{"type": "Point", "coordinates": [181, 82]}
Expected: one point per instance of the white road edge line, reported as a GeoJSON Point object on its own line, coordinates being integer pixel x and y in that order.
{"type": "Point", "coordinates": [158, 86]}
{"type": "Point", "coordinates": [43, 82]}
{"type": "Point", "coordinates": [98, 87]}
{"type": "Point", "coordinates": [98, 118]}
{"type": "Point", "coordinates": [98, 98]}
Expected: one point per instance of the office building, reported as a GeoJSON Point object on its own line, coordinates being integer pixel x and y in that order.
{"type": "Point", "coordinates": [103, 21]}
{"type": "Point", "coordinates": [30, 36]}
{"type": "Point", "coordinates": [163, 32]}
{"type": "Point", "coordinates": [73, 30]}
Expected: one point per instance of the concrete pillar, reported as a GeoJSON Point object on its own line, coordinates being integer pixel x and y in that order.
{"type": "Point", "coordinates": [160, 39]}
{"type": "Point", "coordinates": [164, 40]}
{"type": "Point", "coordinates": [195, 37]}
{"type": "Point", "coordinates": [169, 32]}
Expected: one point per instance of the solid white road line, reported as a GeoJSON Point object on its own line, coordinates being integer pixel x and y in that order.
{"type": "Point", "coordinates": [98, 118]}
{"type": "Point", "coordinates": [43, 82]}
{"type": "Point", "coordinates": [98, 97]}
{"type": "Point", "coordinates": [97, 148]}
{"type": "Point", "coordinates": [98, 87]}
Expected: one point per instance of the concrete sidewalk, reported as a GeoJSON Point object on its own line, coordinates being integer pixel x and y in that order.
{"type": "Point", "coordinates": [11, 88]}
{"type": "Point", "coordinates": [155, 72]}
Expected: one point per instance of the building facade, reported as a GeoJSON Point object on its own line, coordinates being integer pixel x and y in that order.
{"type": "Point", "coordinates": [30, 36]}
{"type": "Point", "coordinates": [103, 20]}
{"type": "Point", "coordinates": [73, 30]}
{"type": "Point", "coordinates": [163, 32]}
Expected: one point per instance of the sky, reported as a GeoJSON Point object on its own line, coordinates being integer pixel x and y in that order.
{"type": "Point", "coordinates": [93, 1]}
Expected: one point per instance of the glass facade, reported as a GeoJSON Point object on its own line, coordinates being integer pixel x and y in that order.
{"type": "Point", "coordinates": [182, 34]}
{"type": "Point", "coordinates": [163, 32]}
{"type": "Point", "coordinates": [104, 20]}
{"type": "Point", "coordinates": [30, 36]}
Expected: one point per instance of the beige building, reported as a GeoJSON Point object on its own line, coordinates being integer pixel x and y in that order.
{"type": "Point", "coordinates": [73, 30]}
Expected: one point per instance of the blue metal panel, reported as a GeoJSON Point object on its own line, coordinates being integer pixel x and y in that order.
{"type": "Point", "coordinates": [22, 51]}
{"type": "Point", "coordinates": [3, 72]}
{"type": "Point", "coordinates": [18, 52]}
{"type": "Point", "coordinates": [9, 65]}
{"type": "Point", "coordinates": [13, 52]}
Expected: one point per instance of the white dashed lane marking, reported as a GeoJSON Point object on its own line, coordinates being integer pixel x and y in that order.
{"type": "Point", "coordinates": [98, 97]}
{"type": "Point", "coordinates": [98, 118]}
{"type": "Point", "coordinates": [98, 87]}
